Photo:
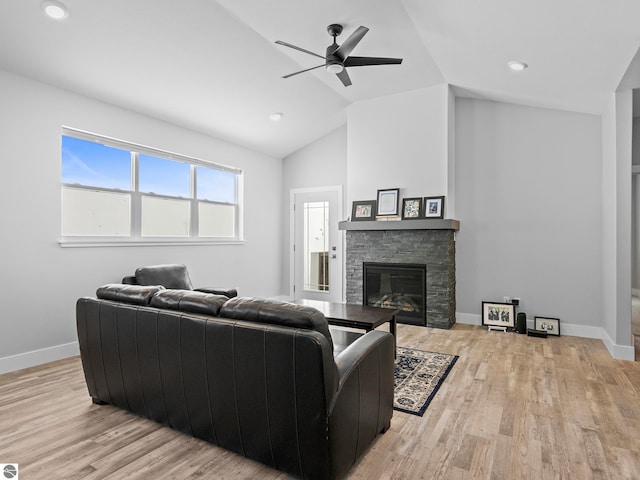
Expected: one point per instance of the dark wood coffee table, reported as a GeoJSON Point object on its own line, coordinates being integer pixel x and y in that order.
{"type": "Point", "coordinates": [354, 316]}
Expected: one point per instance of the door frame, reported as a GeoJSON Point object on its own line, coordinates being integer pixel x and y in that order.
{"type": "Point", "coordinates": [339, 241]}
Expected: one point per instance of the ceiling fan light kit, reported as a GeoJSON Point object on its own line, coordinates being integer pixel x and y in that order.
{"type": "Point", "coordinates": [335, 68]}
{"type": "Point", "coordinates": [337, 57]}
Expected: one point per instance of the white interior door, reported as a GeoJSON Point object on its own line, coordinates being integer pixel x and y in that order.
{"type": "Point", "coordinates": [317, 245]}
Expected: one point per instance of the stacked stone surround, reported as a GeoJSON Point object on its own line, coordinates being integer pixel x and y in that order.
{"type": "Point", "coordinates": [434, 248]}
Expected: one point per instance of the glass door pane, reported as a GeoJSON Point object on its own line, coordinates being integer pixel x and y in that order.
{"type": "Point", "coordinates": [316, 246]}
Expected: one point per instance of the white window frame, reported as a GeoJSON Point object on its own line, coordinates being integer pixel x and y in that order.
{"type": "Point", "coordinates": [136, 239]}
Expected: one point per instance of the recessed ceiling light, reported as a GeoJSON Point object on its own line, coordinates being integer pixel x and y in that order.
{"type": "Point", "coordinates": [55, 10]}
{"type": "Point", "coordinates": [517, 66]}
{"type": "Point", "coordinates": [276, 117]}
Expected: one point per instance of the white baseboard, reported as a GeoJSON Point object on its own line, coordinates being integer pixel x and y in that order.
{"type": "Point", "coordinates": [635, 292]}
{"type": "Point", "coordinates": [468, 318]}
{"type": "Point", "coordinates": [50, 354]}
{"type": "Point", "coordinates": [619, 352]}
{"type": "Point", "coordinates": [38, 357]}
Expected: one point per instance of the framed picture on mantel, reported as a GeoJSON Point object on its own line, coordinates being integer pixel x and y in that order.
{"type": "Point", "coordinates": [411, 208]}
{"type": "Point", "coordinates": [363, 210]}
{"type": "Point", "coordinates": [388, 201]}
{"type": "Point", "coordinates": [434, 207]}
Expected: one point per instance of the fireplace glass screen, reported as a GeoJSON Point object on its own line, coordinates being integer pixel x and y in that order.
{"type": "Point", "coordinates": [397, 285]}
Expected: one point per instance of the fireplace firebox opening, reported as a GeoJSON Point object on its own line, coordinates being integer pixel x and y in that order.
{"type": "Point", "coordinates": [397, 285]}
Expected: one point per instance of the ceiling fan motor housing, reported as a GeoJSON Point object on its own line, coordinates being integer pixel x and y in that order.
{"type": "Point", "coordinates": [333, 59]}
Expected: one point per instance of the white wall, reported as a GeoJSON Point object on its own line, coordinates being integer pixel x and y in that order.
{"type": "Point", "coordinates": [616, 232]}
{"type": "Point", "coordinates": [529, 202]}
{"type": "Point", "coordinates": [399, 141]}
{"type": "Point", "coordinates": [322, 163]}
{"type": "Point", "coordinates": [41, 280]}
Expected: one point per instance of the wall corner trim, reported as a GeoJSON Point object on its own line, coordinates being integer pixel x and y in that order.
{"type": "Point", "coordinates": [619, 352]}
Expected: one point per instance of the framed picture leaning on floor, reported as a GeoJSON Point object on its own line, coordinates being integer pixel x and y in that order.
{"type": "Point", "coordinates": [497, 314]}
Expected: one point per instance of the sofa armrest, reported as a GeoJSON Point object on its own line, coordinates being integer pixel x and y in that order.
{"type": "Point", "coordinates": [227, 292]}
{"type": "Point", "coordinates": [363, 404]}
{"type": "Point", "coordinates": [367, 345]}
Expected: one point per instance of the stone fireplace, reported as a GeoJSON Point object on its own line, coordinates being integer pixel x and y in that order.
{"type": "Point", "coordinates": [418, 242]}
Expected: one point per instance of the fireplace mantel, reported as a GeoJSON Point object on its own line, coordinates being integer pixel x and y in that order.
{"type": "Point", "coordinates": [426, 224]}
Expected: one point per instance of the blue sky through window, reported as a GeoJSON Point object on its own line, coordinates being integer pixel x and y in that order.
{"type": "Point", "coordinates": [164, 177]}
{"type": "Point", "coordinates": [92, 164]}
{"type": "Point", "coordinates": [216, 185]}
{"type": "Point", "coordinates": [89, 163]}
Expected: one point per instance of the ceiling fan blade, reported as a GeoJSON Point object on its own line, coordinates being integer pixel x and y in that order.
{"type": "Point", "coordinates": [365, 61]}
{"type": "Point", "coordinates": [344, 78]}
{"type": "Point", "coordinates": [279, 42]}
{"type": "Point", "coordinates": [302, 71]}
{"type": "Point", "coordinates": [350, 43]}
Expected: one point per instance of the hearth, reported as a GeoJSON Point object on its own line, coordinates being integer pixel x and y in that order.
{"type": "Point", "coordinates": [397, 285]}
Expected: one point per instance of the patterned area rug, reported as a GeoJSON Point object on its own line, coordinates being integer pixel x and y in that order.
{"type": "Point", "coordinates": [418, 376]}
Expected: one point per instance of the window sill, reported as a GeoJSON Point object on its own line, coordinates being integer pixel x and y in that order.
{"type": "Point", "coordinates": [143, 243]}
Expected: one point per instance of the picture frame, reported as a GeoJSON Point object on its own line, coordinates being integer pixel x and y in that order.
{"type": "Point", "coordinates": [499, 314]}
{"type": "Point", "coordinates": [388, 201]}
{"type": "Point", "coordinates": [434, 207]}
{"type": "Point", "coordinates": [547, 324]}
{"type": "Point", "coordinates": [363, 210]}
{"type": "Point", "coordinates": [412, 208]}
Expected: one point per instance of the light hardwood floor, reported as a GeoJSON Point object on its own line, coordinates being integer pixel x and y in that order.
{"type": "Point", "coordinates": [513, 407]}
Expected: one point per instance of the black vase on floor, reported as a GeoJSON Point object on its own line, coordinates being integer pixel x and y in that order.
{"type": "Point", "coordinates": [521, 322]}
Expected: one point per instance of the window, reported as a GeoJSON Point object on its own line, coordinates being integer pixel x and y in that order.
{"type": "Point", "coordinates": [114, 191]}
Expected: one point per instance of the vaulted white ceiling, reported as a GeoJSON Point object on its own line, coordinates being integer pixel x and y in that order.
{"type": "Point", "coordinates": [212, 66]}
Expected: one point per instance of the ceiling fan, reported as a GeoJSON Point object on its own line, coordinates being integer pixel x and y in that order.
{"type": "Point", "coordinates": [337, 57]}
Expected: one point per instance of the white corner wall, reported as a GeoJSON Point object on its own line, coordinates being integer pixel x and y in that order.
{"type": "Point", "coordinates": [42, 281]}
{"type": "Point", "coordinates": [399, 141]}
{"type": "Point", "coordinates": [530, 206]}
{"type": "Point", "coordinates": [322, 163]}
{"type": "Point", "coordinates": [616, 231]}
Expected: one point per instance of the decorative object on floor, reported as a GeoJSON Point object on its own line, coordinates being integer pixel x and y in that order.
{"type": "Point", "coordinates": [549, 325]}
{"type": "Point", "coordinates": [338, 57]}
{"type": "Point", "coordinates": [411, 208]}
{"type": "Point", "coordinates": [363, 210]}
{"type": "Point", "coordinates": [532, 332]}
{"type": "Point", "coordinates": [418, 376]}
{"type": "Point", "coordinates": [434, 207]}
{"type": "Point", "coordinates": [498, 315]}
{"type": "Point", "coordinates": [521, 323]}
{"type": "Point", "coordinates": [388, 201]}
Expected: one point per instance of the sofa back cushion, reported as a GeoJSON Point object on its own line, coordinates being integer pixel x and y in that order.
{"type": "Point", "coordinates": [132, 294]}
{"type": "Point", "coordinates": [277, 313]}
{"type": "Point", "coordinates": [169, 276]}
{"type": "Point", "coordinates": [189, 301]}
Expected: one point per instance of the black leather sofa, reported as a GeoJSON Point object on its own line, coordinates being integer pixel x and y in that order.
{"type": "Point", "coordinates": [254, 376]}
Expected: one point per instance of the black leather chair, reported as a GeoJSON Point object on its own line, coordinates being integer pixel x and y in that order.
{"type": "Point", "coordinates": [172, 276]}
